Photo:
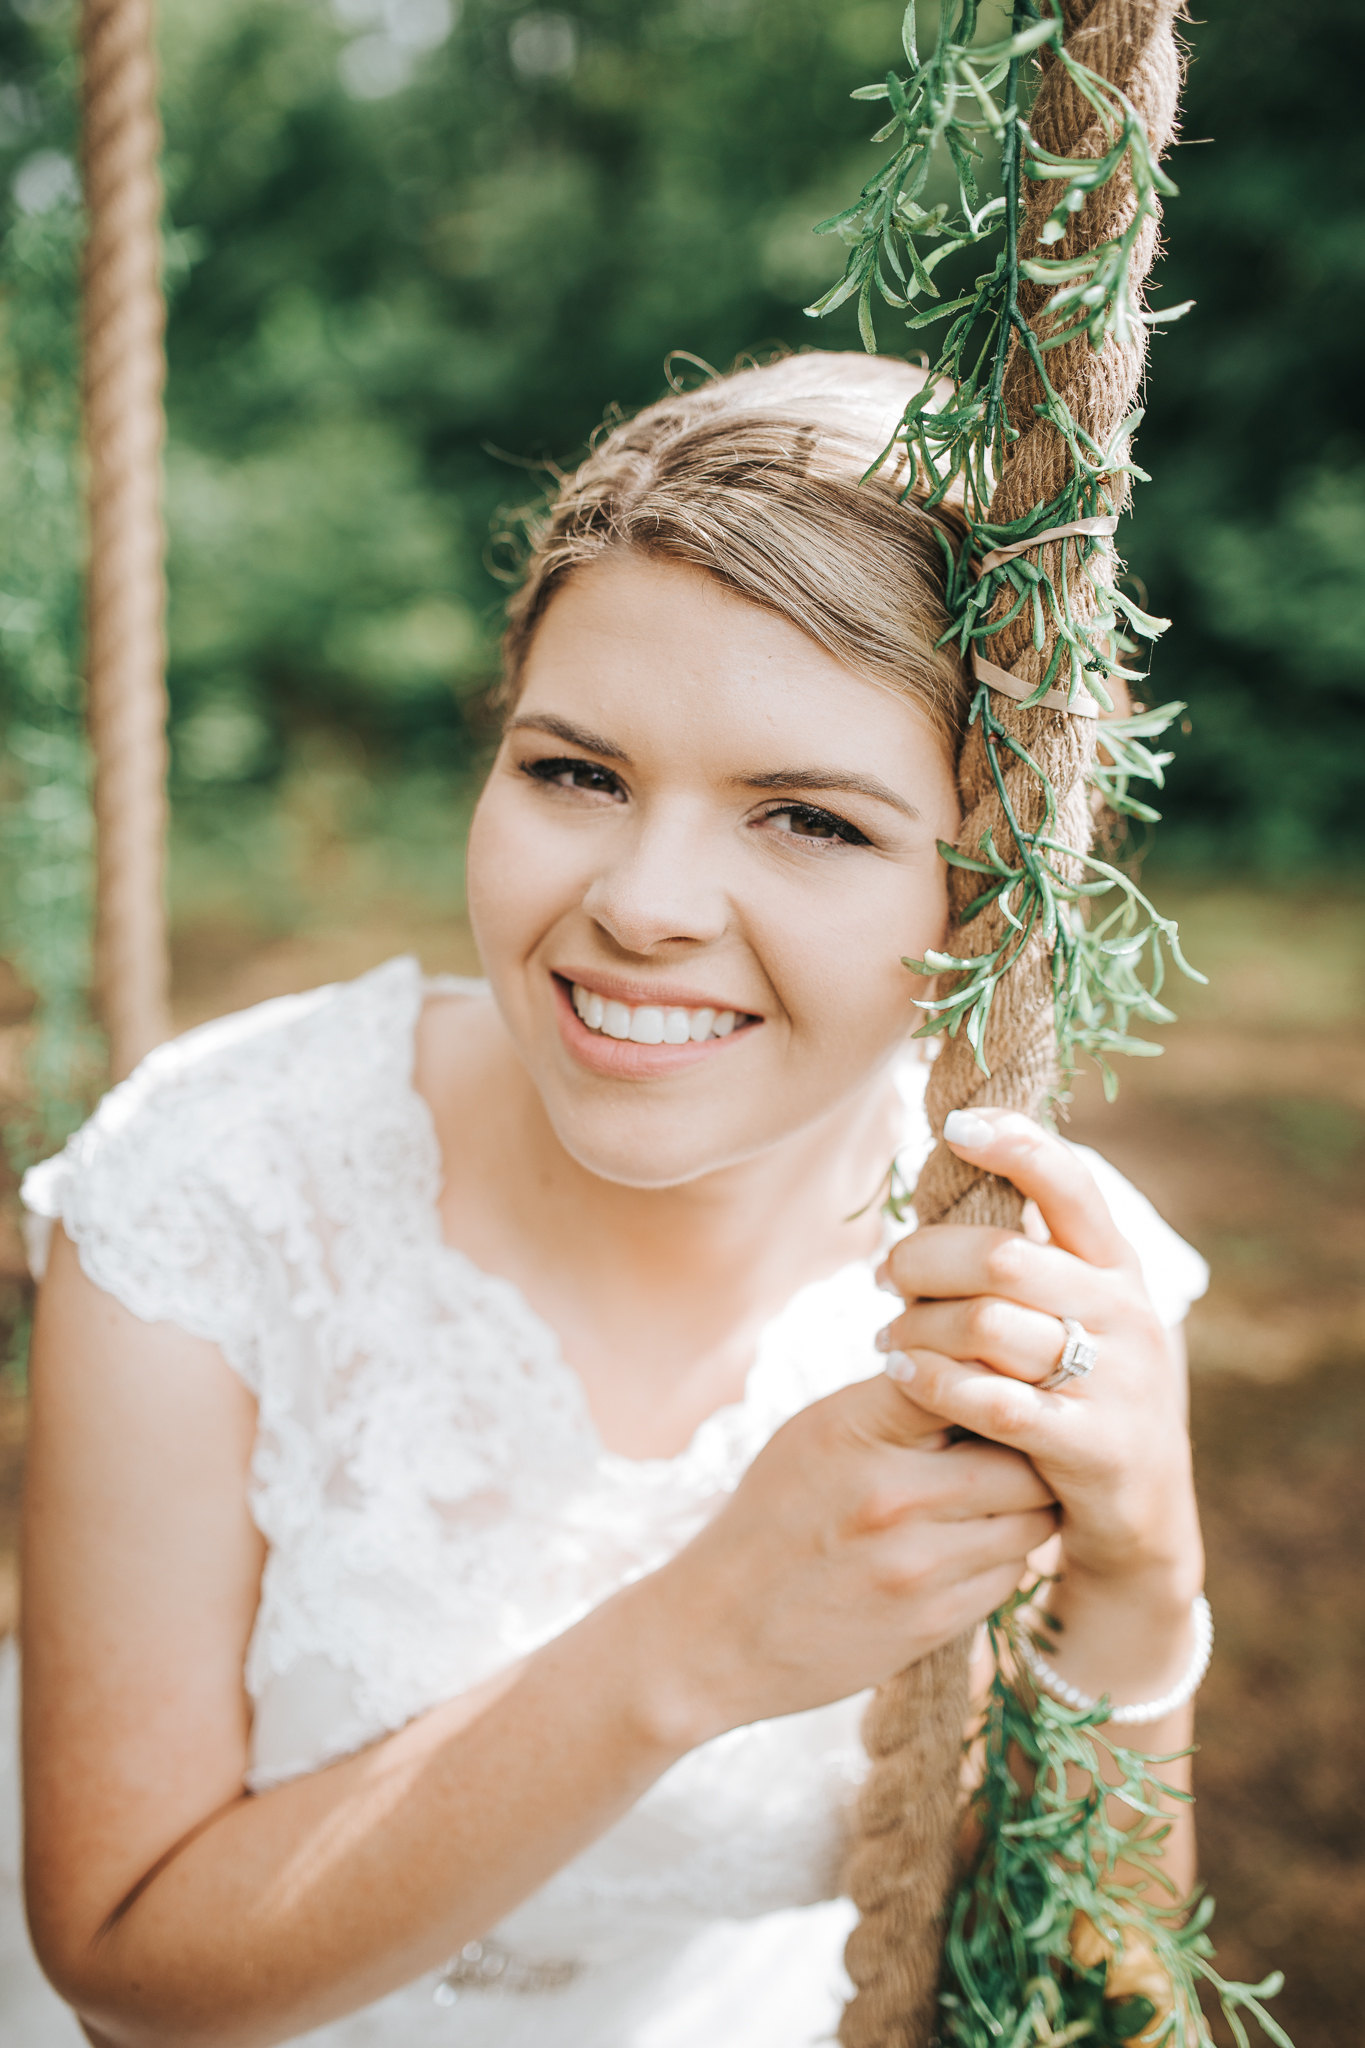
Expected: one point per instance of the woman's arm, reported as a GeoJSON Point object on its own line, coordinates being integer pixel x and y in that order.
{"type": "Point", "coordinates": [169, 1908]}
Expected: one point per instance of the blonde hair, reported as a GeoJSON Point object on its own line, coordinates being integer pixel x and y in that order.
{"type": "Point", "coordinates": [757, 478]}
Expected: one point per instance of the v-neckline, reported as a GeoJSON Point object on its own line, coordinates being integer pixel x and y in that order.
{"type": "Point", "coordinates": [722, 1421]}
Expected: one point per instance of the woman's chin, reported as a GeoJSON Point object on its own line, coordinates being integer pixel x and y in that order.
{"type": "Point", "coordinates": [651, 1159]}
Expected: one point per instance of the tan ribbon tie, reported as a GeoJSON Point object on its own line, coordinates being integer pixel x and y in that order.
{"type": "Point", "coordinates": [1099, 524]}
{"type": "Point", "coordinates": [1085, 706]}
{"type": "Point", "coordinates": [1009, 685]}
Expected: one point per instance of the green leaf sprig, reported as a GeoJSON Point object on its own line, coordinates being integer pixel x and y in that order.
{"type": "Point", "coordinates": [956, 434]}
{"type": "Point", "coordinates": [1046, 1852]}
{"type": "Point", "coordinates": [1097, 985]}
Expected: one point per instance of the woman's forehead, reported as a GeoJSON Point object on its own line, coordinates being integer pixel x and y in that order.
{"type": "Point", "coordinates": [660, 645]}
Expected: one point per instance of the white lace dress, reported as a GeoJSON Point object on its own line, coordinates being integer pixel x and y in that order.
{"type": "Point", "coordinates": [436, 1502]}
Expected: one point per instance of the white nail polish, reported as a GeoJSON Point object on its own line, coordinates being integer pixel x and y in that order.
{"type": "Point", "coordinates": [964, 1127]}
{"type": "Point", "coordinates": [884, 1341]}
{"type": "Point", "coordinates": [899, 1368]}
{"type": "Point", "coordinates": [888, 1286]}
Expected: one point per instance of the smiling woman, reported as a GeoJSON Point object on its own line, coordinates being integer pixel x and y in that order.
{"type": "Point", "coordinates": [467, 1640]}
{"type": "Point", "coordinates": [688, 827]}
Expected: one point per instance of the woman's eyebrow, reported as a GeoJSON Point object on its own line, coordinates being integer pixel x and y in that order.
{"type": "Point", "coordinates": [574, 735]}
{"type": "Point", "coordinates": [831, 778]}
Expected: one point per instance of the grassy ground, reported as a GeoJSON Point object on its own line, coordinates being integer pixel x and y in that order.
{"type": "Point", "coordinates": [1250, 1135]}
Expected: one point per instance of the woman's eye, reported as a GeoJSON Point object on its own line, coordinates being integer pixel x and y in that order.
{"type": "Point", "coordinates": [806, 821]}
{"type": "Point", "coordinates": [573, 773]}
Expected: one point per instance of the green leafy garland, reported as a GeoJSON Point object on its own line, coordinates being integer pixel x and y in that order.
{"type": "Point", "coordinates": [1046, 1853]}
{"type": "Point", "coordinates": [948, 103]}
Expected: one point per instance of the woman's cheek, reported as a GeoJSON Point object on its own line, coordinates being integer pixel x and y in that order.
{"type": "Point", "coordinates": [928, 905]}
{"type": "Point", "coordinates": [905, 918]}
{"type": "Point", "coordinates": [480, 897]}
{"type": "Point", "coordinates": [507, 873]}
{"type": "Point", "coordinates": [840, 977]}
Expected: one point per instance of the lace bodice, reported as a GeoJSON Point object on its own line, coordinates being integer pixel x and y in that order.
{"type": "Point", "coordinates": [433, 1494]}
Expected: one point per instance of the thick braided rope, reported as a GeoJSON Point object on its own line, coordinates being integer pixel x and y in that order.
{"type": "Point", "coordinates": [124, 372]}
{"type": "Point", "coordinates": [902, 1864]}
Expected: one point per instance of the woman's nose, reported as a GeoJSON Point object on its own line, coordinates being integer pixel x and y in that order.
{"type": "Point", "coordinates": [659, 886]}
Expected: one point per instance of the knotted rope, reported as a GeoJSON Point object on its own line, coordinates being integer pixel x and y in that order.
{"type": "Point", "coordinates": [124, 373]}
{"type": "Point", "coordinates": [902, 1863]}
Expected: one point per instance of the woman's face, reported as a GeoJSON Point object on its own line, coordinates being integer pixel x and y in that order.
{"type": "Point", "coordinates": [702, 851]}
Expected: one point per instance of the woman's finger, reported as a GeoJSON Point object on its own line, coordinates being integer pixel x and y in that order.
{"type": "Point", "coordinates": [973, 1599]}
{"type": "Point", "coordinates": [1006, 1411]}
{"type": "Point", "coordinates": [1047, 1171]}
{"type": "Point", "coordinates": [965, 1481]}
{"type": "Point", "coordinates": [988, 1479]}
{"type": "Point", "coordinates": [973, 1547]}
{"type": "Point", "coordinates": [952, 1260]}
{"type": "Point", "coordinates": [945, 1553]}
{"type": "Point", "coordinates": [1024, 1342]}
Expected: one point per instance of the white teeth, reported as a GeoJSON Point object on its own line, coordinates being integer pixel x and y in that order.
{"type": "Point", "coordinates": [650, 1024]}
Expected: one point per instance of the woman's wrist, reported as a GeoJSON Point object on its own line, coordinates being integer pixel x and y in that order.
{"type": "Point", "coordinates": [1159, 1588]}
{"type": "Point", "coordinates": [1130, 1636]}
{"type": "Point", "coordinates": [1130, 1713]}
{"type": "Point", "coordinates": [664, 1659]}
{"type": "Point", "coordinates": [1159, 1571]}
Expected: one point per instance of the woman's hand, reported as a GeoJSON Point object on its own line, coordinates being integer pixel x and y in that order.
{"type": "Point", "coordinates": [982, 1329]}
{"type": "Point", "coordinates": [857, 1541]}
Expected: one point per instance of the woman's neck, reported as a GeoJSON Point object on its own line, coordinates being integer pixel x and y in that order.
{"type": "Point", "coordinates": [658, 1295]}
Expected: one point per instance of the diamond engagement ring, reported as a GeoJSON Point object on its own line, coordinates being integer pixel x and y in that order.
{"type": "Point", "coordinates": [1078, 1357]}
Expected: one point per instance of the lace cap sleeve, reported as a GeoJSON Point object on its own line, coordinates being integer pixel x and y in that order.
{"type": "Point", "coordinates": [183, 1190]}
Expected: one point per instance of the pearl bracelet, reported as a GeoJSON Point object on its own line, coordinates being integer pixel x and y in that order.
{"type": "Point", "coordinates": [1150, 1710]}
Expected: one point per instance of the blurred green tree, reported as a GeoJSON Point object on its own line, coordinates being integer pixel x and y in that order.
{"type": "Point", "coordinates": [1250, 533]}
{"type": "Point", "coordinates": [414, 248]}
{"type": "Point", "coordinates": [412, 239]}
{"type": "Point", "coordinates": [398, 259]}
{"type": "Point", "coordinates": [45, 828]}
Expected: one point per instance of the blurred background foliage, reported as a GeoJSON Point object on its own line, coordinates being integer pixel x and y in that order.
{"type": "Point", "coordinates": [406, 240]}
{"type": "Point", "coordinates": [415, 246]}
{"type": "Point", "coordinates": [415, 249]}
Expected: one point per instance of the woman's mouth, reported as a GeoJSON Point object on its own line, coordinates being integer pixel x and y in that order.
{"type": "Point", "coordinates": [643, 1041]}
{"type": "Point", "coordinates": [650, 1023]}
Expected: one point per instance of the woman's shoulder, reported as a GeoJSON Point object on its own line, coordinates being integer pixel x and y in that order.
{"type": "Point", "coordinates": [174, 1189]}
{"type": "Point", "coordinates": [208, 1098]}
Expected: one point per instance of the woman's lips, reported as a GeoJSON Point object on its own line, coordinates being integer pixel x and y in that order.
{"type": "Point", "coordinates": [622, 989]}
{"type": "Point", "coordinates": [622, 1058]}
